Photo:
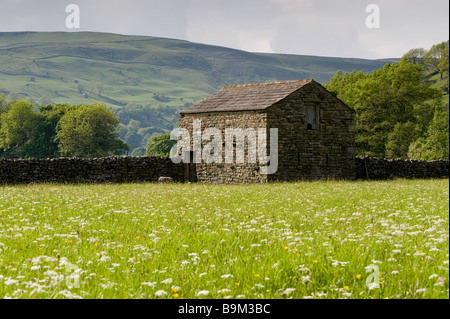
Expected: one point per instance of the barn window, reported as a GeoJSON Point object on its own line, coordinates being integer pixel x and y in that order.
{"type": "Point", "coordinates": [312, 117]}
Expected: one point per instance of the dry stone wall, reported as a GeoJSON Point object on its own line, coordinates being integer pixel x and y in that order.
{"type": "Point", "coordinates": [99, 170]}
{"type": "Point", "coordinates": [150, 169]}
{"type": "Point", "coordinates": [379, 168]}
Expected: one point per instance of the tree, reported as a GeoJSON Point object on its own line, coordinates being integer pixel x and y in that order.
{"type": "Point", "coordinates": [416, 56]}
{"type": "Point", "coordinates": [4, 105]}
{"type": "Point", "coordinates": [80, 88]}
{"type": "Point", "coordinates": [52, 114]}
{"type": "Point", "coordinates": [400, 139]}
{"type": "Point", "coordinates": [382, 99]}
{"type": "Point", "coordinates": [99, 87]}
{"type": "Point", "coordinates": [438, 57]}
{"type": "Point", "coordinates": [89, 131]}
{"type": "Point", "coordinates": [160, 145]}
{"type": "Point", "coordinates": [19, 129]}
{"type": "Point", "coordinates": [438, 136]}
{"type": "Point", "coordinates": [418, 150]}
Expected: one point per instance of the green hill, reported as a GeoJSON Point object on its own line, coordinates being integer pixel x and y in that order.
{"type": "Point", "coordinates": [155, 77]}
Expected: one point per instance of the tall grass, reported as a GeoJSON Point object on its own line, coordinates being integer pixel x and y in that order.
{"type": "Point", "coordinates": [302, 240]}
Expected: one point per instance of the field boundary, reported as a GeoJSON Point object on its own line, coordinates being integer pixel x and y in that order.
{"type": "Point", "coordinates": [368, 168]}
{"type": "Point", "coordinates": [115, 169]}
{"type": "Point", "coordinates": [118, 169]}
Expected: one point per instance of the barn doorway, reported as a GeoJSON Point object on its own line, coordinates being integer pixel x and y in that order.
{"type": "Point", "coordinates": [190, 169]}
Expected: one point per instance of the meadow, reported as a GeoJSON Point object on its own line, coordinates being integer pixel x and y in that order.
{"type": "Point", "coordinates": [191, 241]}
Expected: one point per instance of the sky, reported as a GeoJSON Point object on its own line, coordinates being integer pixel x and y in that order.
{"type": "Point", "coordinates": [309, 27]}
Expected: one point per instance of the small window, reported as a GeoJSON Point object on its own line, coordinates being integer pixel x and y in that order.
{"type": "Point", "coordinates": [312, 117]}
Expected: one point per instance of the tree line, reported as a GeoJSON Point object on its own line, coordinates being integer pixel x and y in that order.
{"type": "Point", "coordinates": [400, 112]}
{"type": "Point", "coordinates": [28, 131]}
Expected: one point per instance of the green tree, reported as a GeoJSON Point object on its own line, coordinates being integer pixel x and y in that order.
{"type": "Point", "coordinates": [4, 105]}
{"type": "Point", "coordinates": [52, 114]}
{"type": "Point", "coordinates": [400, 139]}
{"type": "Point", "coordinates": [80, 88]}
{"type": "Point", "coordinates": [418, 150]}
{"type": "Point", "coordinates": [89, 131]}
{"type": "Point", "coordinates": [438, 57]}
{"type": "Point", "coordinates": [99, 87]}
{"type": "Point", "coordinates": [438, 136]}
{"type": "Point", "coordinates": [160, 145]}
{"type": "Point", "coordinates": [416, 56]}
{"type": "Point", "coordinates": [381, 99]}
{"type": "Point", "coordinates": [19, 128]}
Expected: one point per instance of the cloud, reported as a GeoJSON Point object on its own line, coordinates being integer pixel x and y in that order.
{"type": "Point", "coordinates": [293, 4]}
{"type": "Point", "coordinates": [251, 27]}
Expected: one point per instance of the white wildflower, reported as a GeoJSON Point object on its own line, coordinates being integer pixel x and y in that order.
{"type": "Point", "coordinates": [202, 293]}
{"type": "Point", "coordinates": [306, 279]}
{"type": "Point", "coordinates": [421, 290]}
{"type": "Point", "coordinates": [160, 293]}
{"type": "Point", "coordinates": [10, 281]}
{"type": "Point", "coordinates": [167, 281]}
{"type": "Point", "coordinates": [288, 291]}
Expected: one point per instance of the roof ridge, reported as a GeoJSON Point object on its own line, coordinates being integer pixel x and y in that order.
{"type": "Point", "coordinates": [304, 81]}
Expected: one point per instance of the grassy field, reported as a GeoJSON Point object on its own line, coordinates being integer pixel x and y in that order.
{"type": "Point", "coordinates": [302, 240]}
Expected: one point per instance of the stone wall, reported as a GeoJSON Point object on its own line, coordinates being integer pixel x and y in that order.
{"type": "Point", "coordinates": [149, 169]}
{"type": "Point", "coordinates": [223, 173]}
{"type": "Point", "coordinates": [379, 168]}
{"type": "Point", "coordinates": [109, 169]}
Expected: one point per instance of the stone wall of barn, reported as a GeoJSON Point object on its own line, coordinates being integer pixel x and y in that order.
{"type": "Point", "coordinates": [328, 151]}
{"type": "Point", "coordinates": [100, 170]}
{"type": "Point", "coordinates": [221, 172]}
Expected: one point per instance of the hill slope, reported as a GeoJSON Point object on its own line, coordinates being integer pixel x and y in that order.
{"type": "Point", "coordinates": [155, 77]}
{"type": "Point", "coordinates": [143, 70]}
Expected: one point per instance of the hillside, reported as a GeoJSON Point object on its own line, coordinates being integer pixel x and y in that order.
{"type": "Point", "coordinates": [155, 77]}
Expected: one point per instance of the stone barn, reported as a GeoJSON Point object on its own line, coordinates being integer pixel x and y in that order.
{"type": "Point", "coordinates": [315, 134]}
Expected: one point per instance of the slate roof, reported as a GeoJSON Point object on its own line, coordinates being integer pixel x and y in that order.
{"type": "Point", "coordinates": [247, 97]}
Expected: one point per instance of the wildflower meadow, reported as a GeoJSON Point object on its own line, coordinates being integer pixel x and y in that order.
{"type": "Point", "coordinates": [324, 239]}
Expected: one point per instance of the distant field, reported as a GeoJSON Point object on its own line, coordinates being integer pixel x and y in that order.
{"type": "Point", "coordinates": [301, 240]}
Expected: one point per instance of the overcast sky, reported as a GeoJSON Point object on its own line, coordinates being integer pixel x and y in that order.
{"type": "Point", "coordinates": [311, 27]}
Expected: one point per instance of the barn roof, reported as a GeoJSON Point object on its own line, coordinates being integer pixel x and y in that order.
{"type": "Point", "coordinates": [247, 97]}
